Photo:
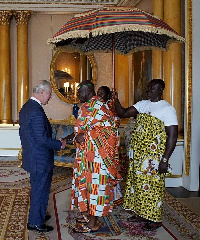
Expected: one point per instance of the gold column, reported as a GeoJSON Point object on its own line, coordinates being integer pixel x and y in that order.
{"type": "Point", "coordinates": [22, 18]}
{"type": "Point", "coordinates": [5, 70]}
{"type": "Point", "coordinates": [157, 57]}
{"type": "Point", "coordinates": [172, 59]}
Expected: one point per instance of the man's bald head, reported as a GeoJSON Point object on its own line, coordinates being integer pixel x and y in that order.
{"type": "Point", "coordinates": [86, 91]}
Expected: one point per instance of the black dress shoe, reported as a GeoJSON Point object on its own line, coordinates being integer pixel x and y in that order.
{"type": "Point", "coordinates": [40, 228]}
{"type": "Point", "coordinates": [47, 217]}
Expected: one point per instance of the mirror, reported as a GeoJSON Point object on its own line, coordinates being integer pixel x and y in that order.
{"type": "Point", "coordinates": [67, 70]}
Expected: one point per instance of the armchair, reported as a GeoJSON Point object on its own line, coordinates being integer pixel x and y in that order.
{"type": "Point", "coordinates": [61, 129]}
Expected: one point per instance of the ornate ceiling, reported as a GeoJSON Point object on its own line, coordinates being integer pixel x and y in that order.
{"type": "Point", "coordinates": [63, 5]}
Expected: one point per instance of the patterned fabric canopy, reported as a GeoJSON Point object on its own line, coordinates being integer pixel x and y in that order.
{"type": "Point", "coordinates": [130, 28]}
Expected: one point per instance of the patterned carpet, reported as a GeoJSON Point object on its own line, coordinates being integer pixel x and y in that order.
{"type": "Point", "coordinates": [14, 201]}
{"type": "Point", "coordinates": [178, 221]}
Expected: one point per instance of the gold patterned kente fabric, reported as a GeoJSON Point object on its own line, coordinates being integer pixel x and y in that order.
{"type": "Point", "coordinates": [145, 187]}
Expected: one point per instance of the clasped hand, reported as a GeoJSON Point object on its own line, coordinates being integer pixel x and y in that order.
{"type": "Point", "coordinates": [79, 138]}
{"type": "Point", "coordinates": [70, 137]}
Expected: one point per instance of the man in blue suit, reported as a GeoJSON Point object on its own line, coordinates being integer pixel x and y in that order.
{"type": "Point", "coordinates": [38, 153]}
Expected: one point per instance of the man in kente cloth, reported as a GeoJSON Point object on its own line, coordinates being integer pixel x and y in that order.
{"type": "Point", "coordinates": [95, 169]}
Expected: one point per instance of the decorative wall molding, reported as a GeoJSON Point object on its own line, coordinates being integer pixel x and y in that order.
{"type": "Point", "coordinates": [58, 5]}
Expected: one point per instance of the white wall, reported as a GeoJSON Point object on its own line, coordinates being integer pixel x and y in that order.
{"type": "Point", "coordinates": [41, 28]}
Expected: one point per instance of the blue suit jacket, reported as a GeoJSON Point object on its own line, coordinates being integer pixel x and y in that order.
{"type": "Point", "coordinates": [36, 138]}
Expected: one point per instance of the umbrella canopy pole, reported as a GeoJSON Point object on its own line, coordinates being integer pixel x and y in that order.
{"type": "Point", "coordinates": [113, 60]}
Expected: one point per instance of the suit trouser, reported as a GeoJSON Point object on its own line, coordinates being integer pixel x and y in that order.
{"type": "Point", "coordinates": [40, 189]}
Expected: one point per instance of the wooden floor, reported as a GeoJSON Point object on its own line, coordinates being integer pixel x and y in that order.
{"type": "Point", "coordinates": [180, 192]}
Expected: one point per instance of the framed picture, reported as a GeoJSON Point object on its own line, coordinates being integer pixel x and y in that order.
{"type": "Point", "coordinates": [142, 73]}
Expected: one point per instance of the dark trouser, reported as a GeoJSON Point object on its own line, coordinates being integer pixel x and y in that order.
{"type": "Point", "coordinates": [40, 189]}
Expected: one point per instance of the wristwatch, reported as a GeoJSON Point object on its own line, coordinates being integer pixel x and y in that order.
{"type": "Point", "coordinates": [164, 160]}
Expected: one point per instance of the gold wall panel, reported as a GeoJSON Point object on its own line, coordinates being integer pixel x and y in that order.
{"type": "Point", "coordinates": [188, 88]}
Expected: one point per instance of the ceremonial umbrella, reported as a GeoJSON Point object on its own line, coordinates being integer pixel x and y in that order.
{"type": "Point", "coordinates": [116, 29]}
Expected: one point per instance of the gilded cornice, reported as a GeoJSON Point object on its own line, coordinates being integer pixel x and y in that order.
{"type": "Point", "coordinates": [59, 5]}
{"type": "Point", "coordinates": [22, 17]}
{"type": "Point", "coordinates": [5, 17]}
{"type": "Point", "coordinates": [56, 5]}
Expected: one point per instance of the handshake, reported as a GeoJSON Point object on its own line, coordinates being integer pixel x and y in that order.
{"type": "Point", "coordinates": [67, 139]}
{"type": "Point", "coordinates": [71, 138]}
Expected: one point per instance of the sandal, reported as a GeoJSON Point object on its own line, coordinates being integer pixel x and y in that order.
{"type": "Point", "coordinates": [151, 226]}
{"type": "Point", "coordinates": [82, 219]}
{"type": "Point", "coordinates": [84, 229]}
{"type": "Point", "coordinates": [136, 218]}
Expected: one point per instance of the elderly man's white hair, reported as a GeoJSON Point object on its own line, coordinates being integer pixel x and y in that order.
{"type": "Point", "coordinates": [42, 85]}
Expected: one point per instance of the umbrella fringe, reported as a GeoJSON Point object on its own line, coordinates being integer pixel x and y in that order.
{"type": "Point", "coordinates": [134, 27]}
{"type": "Point", "coordinates": [68, 35]}
{"type": "Point", "coordinates": [114, 29]}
